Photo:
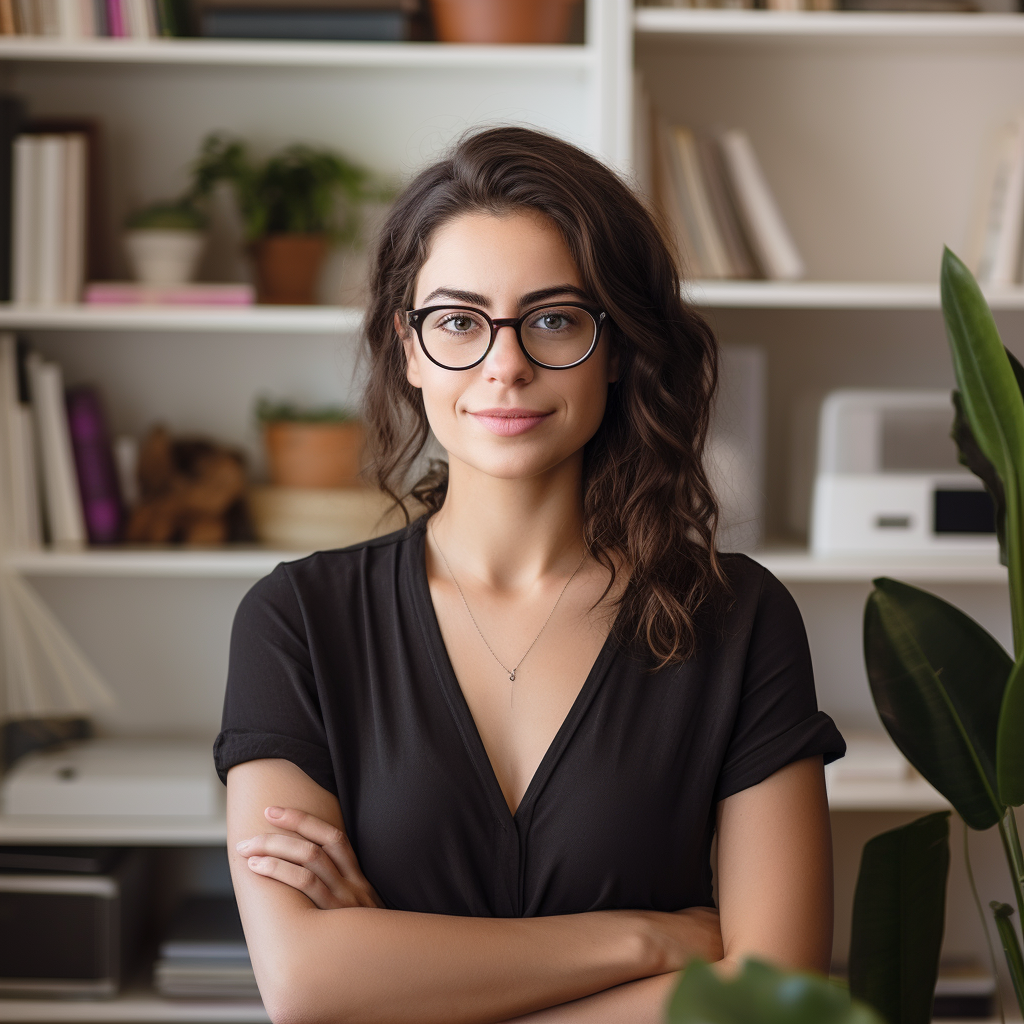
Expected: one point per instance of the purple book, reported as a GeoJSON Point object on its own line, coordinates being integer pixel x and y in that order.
{"type": "Point", "coordinates": [94, 462]}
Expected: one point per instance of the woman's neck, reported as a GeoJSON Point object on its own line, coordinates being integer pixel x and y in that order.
{"type": "Point", "coordinates": [511, 533]}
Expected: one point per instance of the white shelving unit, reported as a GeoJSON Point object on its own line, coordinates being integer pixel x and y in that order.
{"type": "Point", "coordinates": [135, 1006]}
{"type": "Point", "coordinates": [873, 129]}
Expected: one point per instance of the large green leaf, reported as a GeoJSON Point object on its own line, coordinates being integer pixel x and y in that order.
{"type": "Point", "coordinates": [761, 994]}
{"type": "Point", "coordinates": [898, 913]}
{"type": "Point", "coordinates": [993, 406]}
{"type": "Point", "coordinates": [937, 679]}
{"type": "Point", "coordinates": [974, 458]}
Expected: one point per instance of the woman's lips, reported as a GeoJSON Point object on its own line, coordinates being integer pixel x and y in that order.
{"type": "Point", "coordinates": [509, 422]}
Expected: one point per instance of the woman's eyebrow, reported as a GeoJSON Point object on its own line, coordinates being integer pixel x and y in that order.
{"type": "Point", "coordinates": [459, 295]}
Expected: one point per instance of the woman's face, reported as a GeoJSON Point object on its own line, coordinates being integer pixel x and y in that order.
{"type": "Point", "coordinates": [506, 416]}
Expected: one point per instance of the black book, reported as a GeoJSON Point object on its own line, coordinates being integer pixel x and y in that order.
{"type": "Point", "coordinates": [12, 115]}
{"type": "Point", "coordinates": [309, 23]}
{"type": "Point", "coordinates": [205, 928]}
{"type": "Point", "coordinates": [64, 860]}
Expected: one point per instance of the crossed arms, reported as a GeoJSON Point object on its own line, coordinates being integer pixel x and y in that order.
{"type": "Point", "coordinates": [325, 951]}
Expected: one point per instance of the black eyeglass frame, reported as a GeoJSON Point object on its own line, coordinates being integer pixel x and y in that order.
{"type": "Point", "coordinates": [414, 318]}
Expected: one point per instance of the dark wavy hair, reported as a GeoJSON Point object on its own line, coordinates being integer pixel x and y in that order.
{"type": "Point", "coordinates": [646, 497]}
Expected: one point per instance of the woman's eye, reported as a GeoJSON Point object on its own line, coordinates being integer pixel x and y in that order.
{"type": "Point", "coordinates": [459, 323]}
{"type": "Point", "coordinates": [552, 322]}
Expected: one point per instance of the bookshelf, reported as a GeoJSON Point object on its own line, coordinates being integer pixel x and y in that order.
{"type": "Point", "coordinates": [136, 1006]}
{"type": "Point", "coordinates": [874, 131]}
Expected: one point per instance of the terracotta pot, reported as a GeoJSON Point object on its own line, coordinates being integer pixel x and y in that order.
{"type": "Point", "coordinates": [287, 268]}
{"type": "Point", "coordinates": [502, 21]}
{"type": "Point", "coordinates": [314, 454]}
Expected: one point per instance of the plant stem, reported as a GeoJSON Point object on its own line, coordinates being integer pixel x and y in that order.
{"type": "Point", "coordinates": [1011, 947]}
{"type": "Point", "coordinates": [984, 920]}
{"type": "Point", "coordinates": [1014, 856]}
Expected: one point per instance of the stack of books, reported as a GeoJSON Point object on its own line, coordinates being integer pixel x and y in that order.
{"type": "Point", "coordinates": [58, 477]}
{"type": "Point", "coordinates": [995, 254]}
{"type": "Point", "coordinates": [720, 207]}
{"type": "Point", "coordinates": [90, 19]}
{"type": "Point", "coordinates": [359, 20]}
{"type": "Point", "coordinates": [49, 203]}
{"type": "Point", "coordinates": [204, 954]}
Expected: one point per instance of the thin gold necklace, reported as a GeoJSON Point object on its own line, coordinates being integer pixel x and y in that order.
{"type": "Point", "coordinates": [511, 671]}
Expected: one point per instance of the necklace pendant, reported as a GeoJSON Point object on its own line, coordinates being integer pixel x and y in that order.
{"type": "Point", "coordinates": [512, 676]}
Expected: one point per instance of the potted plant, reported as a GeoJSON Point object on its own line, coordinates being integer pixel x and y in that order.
{"type": "Point", "coordinates": [164, 241]}
{"type": "Point", "coordinates": [290, 209]}
{"type": "Point", "coordinates": [316, 447]}
{"type": "Point", "coordinates": [502, 21]}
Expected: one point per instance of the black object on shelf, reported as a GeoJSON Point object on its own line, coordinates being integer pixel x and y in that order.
{"type": "Point", "coordinates": [65, 860]}
{"type": "Point", "coordinates": [12, 115]}
{"type": "Point", "coordinates": [21, 736]}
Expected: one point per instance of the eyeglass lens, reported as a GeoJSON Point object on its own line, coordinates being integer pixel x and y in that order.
{"type": "Point", "coordinates": [555, 335]}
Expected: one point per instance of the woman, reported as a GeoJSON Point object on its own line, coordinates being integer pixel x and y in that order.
{"type": "Point", "coordinates": [475, 767]}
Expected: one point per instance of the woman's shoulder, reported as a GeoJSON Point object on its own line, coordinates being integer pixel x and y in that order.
{"type": "Point", "coordinates": [380, 561]}
{"type": "Point", "coordinates": [753, 593]}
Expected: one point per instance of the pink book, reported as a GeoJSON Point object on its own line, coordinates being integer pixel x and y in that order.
{"type": "Point", "coordinates": [115, 19]}
{"type": "Point", "coordinates": [127, 293]}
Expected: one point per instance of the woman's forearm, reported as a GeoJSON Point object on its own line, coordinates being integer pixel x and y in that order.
{"type": "Point", "coordinates": [636, 1002]}
{"type": "Point", "coordinates": [370, 965]}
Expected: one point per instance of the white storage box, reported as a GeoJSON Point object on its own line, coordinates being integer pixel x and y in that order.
{"type": "Point", "coordinates": [118, 778]}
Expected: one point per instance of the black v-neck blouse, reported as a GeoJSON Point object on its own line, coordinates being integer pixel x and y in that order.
{"type": "Point", "coordinates": [337, 664]}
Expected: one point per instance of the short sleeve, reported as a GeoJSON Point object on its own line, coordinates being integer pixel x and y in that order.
{"type": "Point", "coordinates": [271, 706]}
{"type": "Point", "coordinates": [778, 720]}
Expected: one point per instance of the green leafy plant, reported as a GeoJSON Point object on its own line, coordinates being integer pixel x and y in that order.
{"type": "Point", "coordinates": [761, 994]}
{"type": "Point", "coordinates": [295, 191]}
{"type": "Point", "coordinates": [269, 411]}
{"type": "Point", "coordinates": [949, 695]}
{"type": "Point", "coordinates": [168, 215]}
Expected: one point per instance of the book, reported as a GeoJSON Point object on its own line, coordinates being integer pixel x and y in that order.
{"type": "Point", "coordinates": [50, 227]}
{"type": "Point", "coordinates": [296, 23]}
{"type": "Point", "coordinates": [998, 249]}
{"type": "Point", "coordinates": [716, 258]}
{"type": "Point", "coordinates": [25, 217]}
{"type": "Point", "coordinates": [12, 114]}
{"type": "Point", "coordinates": [764, 226]}
{"type": "Point", "coordinates": [741, 259]}
{"type": "Point", "coordinates": [667, 196]}
{"type": "Point", "coordinates": [17, 459]}
{"type": "Point", "coordinates": [62, 501]}
{"type": "Point", "coordinates": [102, 508]}
{"type": "Point", "coordinates": [8, 26]}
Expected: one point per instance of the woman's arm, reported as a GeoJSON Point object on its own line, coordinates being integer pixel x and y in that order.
{"type": "Point", "coordinates": [366, 964]}
{"type": "Point", "coordinates": [774, 894]}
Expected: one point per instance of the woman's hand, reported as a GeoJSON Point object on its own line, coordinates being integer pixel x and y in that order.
{"type": "Point", "coordinates": [318, 860]}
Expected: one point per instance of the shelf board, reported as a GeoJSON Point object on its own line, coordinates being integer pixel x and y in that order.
{"type": "Point", "coordinates": [224, 563]}
{"type": "Point", "coordinates": [864, 295]}
{"type": "Point", "coordinates": [239, 319]}
{"type": "Point", "coordinates": [669, 22]}
{"type": "Point", "coordinates": [797, 565]}
{"type": "Point", "coordinates": [914, 794]}
{"type": "Point", "coordinates": [791, 565]}
{"type": "Point", "coordinates": [294, 54]}
{"type": "Point", "coordinates": [135, 1006]}
{"type": "Point", "coordinates": [91, 831]}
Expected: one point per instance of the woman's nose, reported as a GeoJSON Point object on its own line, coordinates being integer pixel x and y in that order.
{"type": "Point", "coordinates": [506, 362]}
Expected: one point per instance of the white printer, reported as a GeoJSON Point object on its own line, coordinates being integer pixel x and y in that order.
{"type": "Point", "coordinates": [888, 478]}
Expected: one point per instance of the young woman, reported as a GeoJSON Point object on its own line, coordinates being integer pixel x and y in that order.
{"type": "Point", "coordinates": [475, 767]}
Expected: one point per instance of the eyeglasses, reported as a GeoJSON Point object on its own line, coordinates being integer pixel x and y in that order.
{"type": "Point", "coordinates": [555, 337]}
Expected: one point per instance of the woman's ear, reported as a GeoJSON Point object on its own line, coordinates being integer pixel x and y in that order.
{"type": "Point", "coordinates": [412, 368]}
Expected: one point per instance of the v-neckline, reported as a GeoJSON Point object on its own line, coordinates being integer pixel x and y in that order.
{"type": "Point", "coordinates": [459, 706]}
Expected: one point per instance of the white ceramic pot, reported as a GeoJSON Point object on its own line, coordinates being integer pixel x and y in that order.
{"type": "Point", "coordinates": [164, 257]}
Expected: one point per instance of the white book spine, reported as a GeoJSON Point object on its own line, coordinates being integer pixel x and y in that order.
{"type": "Point", "coordinates": [24, 236]}
{"type": "Point", "coordinates": [63, 500]}
{"type": "Point", "coordinates": [767, 232]}
{"type": "Point", "coordinates": [73, 277]}
{"type": "Point", "coordinates": [8, 395]}
{"type": "Point", "coordinates": [50, 254]}
{"type": "Point", "coordinates": [1007, 248]}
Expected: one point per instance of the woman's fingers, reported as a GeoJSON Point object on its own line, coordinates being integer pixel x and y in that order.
{"type": "Point", "coordinates": [330, 839]}
{"type": "Point", "coordinates": [298, 877]}
{"type": "Point", "coordinates": [300, 852]}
